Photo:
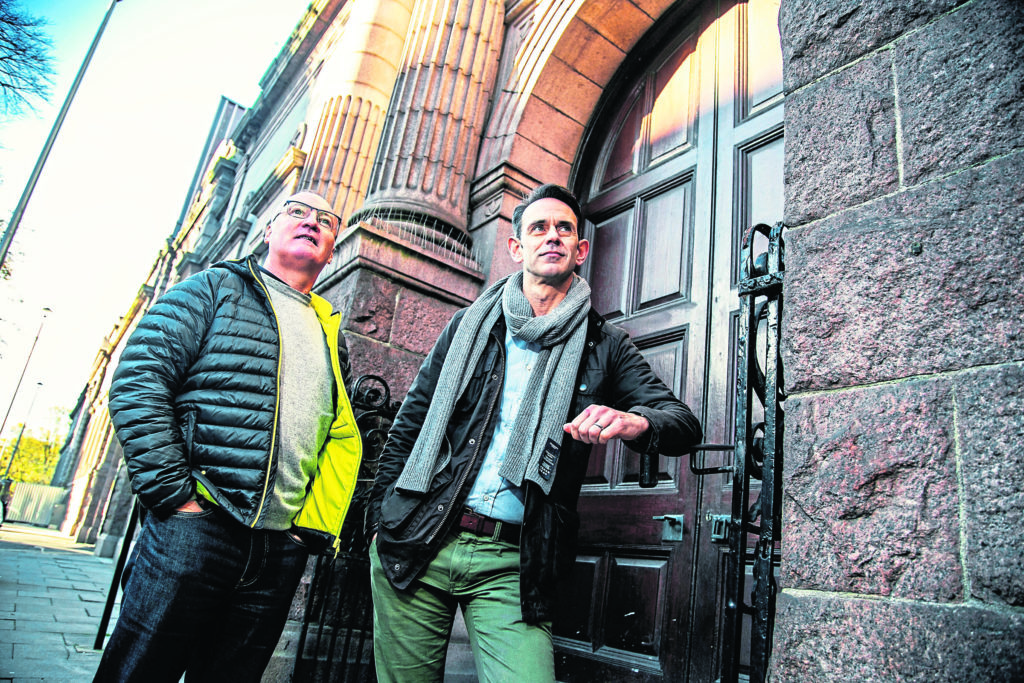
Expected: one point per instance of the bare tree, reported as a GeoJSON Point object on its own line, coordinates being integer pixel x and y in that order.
{"type": "Point", "coordinates": [26, 66]}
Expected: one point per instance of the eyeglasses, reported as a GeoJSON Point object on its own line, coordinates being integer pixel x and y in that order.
{"type": "Point", "coordinates": [325, 219]}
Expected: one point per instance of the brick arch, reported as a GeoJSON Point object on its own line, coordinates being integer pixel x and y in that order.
{"type": "Point", "coordinates": [567, 54]}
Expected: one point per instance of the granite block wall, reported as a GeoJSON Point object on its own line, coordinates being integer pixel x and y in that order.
{"type": "Point", "coordinates": [389, 326]}
{"type": "Point", "coordinates": [903, 541]}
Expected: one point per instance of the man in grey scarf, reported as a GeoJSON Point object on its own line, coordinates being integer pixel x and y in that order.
{"type": "Point", "coordinates": [474, 504]}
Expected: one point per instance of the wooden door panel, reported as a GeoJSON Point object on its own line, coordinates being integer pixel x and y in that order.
{"type": "Point", "coordinates": [675, 102]}
{"type": "Point", "coordinates": [612, 631]}
{"type": "Point", "coordinates": [664, 268]}
{"type": "Point", "coordinates": [613, 466]}
{"type": "Point", "coordinates": [610, 264]}
{"type": "Point", "coordinates": [635, 603]}
{"type": "Point", "coordinates": [668, 360]}
{"type": "Point", "coordinates": [598, 468]}
{"type": "Point", "coordinates": [628, 615]}
{"type": "Point", "coordinates": [620, 162]}
{"type": "Point", "coordinates": [760, 75]}
{"type": "Point", "coordinates": [760, 193]}
{"type": "Point", "coordinates": [575, 612]}
{"type": "Point", "coordinates": [762, 190]}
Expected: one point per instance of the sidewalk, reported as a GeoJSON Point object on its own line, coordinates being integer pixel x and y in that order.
{"type": "Point", "coordinates": [52, 594]}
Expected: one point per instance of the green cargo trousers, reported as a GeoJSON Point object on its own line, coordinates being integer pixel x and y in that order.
{"type": "Point", "coordinates": [411, 628]}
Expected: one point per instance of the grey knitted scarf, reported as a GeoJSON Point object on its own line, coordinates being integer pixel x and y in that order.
{"type": "Point", "coordinates": [537, 432]}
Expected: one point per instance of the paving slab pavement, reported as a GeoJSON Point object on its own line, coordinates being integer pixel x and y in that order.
{"type": "Point", "coordinates": [52, 595]}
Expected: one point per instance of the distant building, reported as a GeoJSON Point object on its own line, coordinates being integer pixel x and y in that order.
{"type": "Point", "coordinates": [889, 138]}
{"type": "Point", "coordinates": [91, 460]}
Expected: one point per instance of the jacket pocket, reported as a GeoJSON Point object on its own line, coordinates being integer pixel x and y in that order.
{"type": "Point", "coordinates": [397, 508]}
{"type": "Point", "coordinates": [483, 374]}
{"type": "Point", "coordinates": [188, 433]}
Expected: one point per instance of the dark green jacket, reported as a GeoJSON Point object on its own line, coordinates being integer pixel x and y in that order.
{"type": "Point", "coordinates": [412, 528]}
{"type": "Point", "coordinates": [194, 401]}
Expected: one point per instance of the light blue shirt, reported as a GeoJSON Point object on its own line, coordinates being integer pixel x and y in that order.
{"type": "Point", "coordinates": [493, 495]}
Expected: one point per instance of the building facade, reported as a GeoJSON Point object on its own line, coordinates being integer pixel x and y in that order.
{"type": "Point", "coordinates": [91, 463]}
{"type": "Point", "coordinates": [886, 136]}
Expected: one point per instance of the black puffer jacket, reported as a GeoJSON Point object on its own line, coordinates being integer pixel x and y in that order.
{"type": "Point", "coordinates": [194, 400]}
{"type": "Point", "coordinates": [411, 528]}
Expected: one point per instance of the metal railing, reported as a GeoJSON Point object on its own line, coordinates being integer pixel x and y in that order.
{"type": "Point", "coordinates": [336, 639]}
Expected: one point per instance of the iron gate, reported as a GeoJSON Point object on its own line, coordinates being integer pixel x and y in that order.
{"type": "Point", "coordinates": [336, 639]}
{"type": "Point", "coordinates": [756, 458]}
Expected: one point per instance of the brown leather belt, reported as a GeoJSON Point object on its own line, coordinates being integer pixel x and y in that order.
{"type": "Point", "coordinates": [485, 526]}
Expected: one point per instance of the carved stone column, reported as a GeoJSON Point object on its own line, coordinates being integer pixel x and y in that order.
{"type": "Point", "coordinates": [429, 146]}
{"type": "Point", "coordinates": [404, 266]}
{"type": "Point", "coordinates": [351, 89]}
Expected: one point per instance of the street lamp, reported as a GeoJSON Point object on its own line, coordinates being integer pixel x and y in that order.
{"type": "Point", "coordinates": [46, 311]}
{"type": "Point", "coordinates": [14, 451]}
{"type": "Point", "coordinates": [12, 225]}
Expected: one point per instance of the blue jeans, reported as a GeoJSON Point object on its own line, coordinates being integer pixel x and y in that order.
{"type": "Point", "coordinates": [207, 597]}
{"type": "Point", "coordinates": [411, 628]}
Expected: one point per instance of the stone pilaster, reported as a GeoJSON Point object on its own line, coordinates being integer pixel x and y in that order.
{"type": "Point", "coordinates": [428, 151]}
{"type": "Point", "coordinates": [351, 92]}
{"type": "Point", "coordinates": [396, 290]}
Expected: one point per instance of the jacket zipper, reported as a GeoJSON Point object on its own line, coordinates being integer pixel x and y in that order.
{"type": "Point", "coordinates": [341, 399]}
{"type": "Point", "coordinates": [277, 401]}
{"type": "Point", "coordinates": [476, 452]}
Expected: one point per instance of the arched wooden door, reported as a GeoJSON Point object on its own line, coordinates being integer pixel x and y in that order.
{"type": "Point", "coordinates": [685, 152]}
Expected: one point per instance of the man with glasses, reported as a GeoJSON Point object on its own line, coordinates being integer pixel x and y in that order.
{"type": "Point", "coordinates": [230, 405]}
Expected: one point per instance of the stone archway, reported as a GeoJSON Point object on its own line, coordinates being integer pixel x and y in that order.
{"type": "Point", "coordinates": [564, 56]}
{"type": "Point", "coordinates": [555, 64]}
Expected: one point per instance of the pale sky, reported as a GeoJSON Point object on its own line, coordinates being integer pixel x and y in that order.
{"type": "Point", "coordinates": [115, 181]}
